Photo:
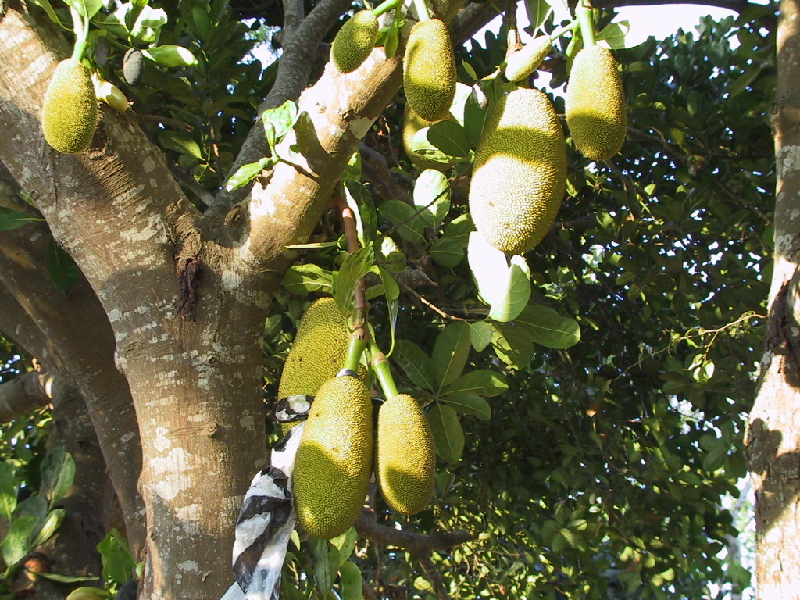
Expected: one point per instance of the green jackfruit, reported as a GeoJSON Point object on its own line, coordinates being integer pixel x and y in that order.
{"type": "Point", "coordinates": [595, 104]}
{"type": "Point", "coordinates": [429, 70]}
{"type": "Point", "coordinates": [318, 351]}
{"type": "Point", "coordinates": [354, 41]}
{"type": "Point", "coordinates": [524, 62]}
{"type": "Point", "coordinates": [406, 461]}
{"type": "Point", "coordinates": [412, 123]}
{"type": "Point", "coordinates": [520, 170]}
{"type": "Point", "coordinates": [334, 458]}
{"type": "Point", "coordinates": [69, 111]}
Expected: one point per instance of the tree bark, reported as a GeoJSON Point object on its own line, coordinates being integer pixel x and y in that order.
{"type": "Point", "coordinates": [774, 428]}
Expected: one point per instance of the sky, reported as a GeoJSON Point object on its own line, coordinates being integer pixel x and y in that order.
{"type": "Point", "coordinates": [663, 21]}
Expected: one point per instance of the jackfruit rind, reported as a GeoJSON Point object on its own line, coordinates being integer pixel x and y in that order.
{"type": "Point", "coordinates": [354, 41]}
{"type": "Point", "coordinates": [406, 457]}
{"type": "Point", "coordinates": [334, 458]}
{"type": "Point", "coordinates": [524, 62]}
{"type": "Point", "coordinates": [595, 104]}
{"type": "Point", "coordinates": [318, 351]}
{"type": "Point", "coordinates": [429, 70]}
{"type": "Point", "coordinates": [69, 111]}
{"type": "Point", "coordinates": [519, 173]}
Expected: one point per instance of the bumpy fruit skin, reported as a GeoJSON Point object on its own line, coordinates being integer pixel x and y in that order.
{"type": "Point", "coordinates": [69, 111]}
{"type": "Point", "coordinates": [595, 104]}
{"type": "Point", "coordinates": [334, 458]}
{"type": "Point", "coordinates": [132, 66]}
{"type": "Point", "coordinates": [354, 41]}
{"type": "Point", "coordinates": [406, 461]}
{"type": "Point", "coordinates": [318, 351]}
{"type": "Point", "coordinates": [520, 170]}
{"type": "Point", "coordinates": [524, 62]}
{"type": "Point", "coordinates": [429, 70]}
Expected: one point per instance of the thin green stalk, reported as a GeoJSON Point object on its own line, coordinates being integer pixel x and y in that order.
{"type": "Point", "coordinates": [557, 33]}
{"type": "Point", "coordinates": [355, 347]}
{"type": "Point", "coordinates": [583, 12]}
{"type": "Point", "coordinates": [383, 372]}
{"type": "Point", "coordinates": [384, 7]}
{"type": "Point", "coordinates": [81, 29]}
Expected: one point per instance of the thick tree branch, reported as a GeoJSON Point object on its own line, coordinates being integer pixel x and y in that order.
{"type": "Point", "coordinates": [24, 394]}
{"type": "Point", "coordinates": [417, 544]}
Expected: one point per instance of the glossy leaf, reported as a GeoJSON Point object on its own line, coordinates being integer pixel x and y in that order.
{"type": "Point", "coordinates": [450, 353]}
{"type": "Point", "coordinates": [415, 364]}
{"type": "Point", "coordinates": [447, 432]}
{"type": "Point", "coordinates": [469, 404]}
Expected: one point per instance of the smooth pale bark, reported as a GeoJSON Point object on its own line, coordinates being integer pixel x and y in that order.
{"type": "Point", "coordinates": [774, 428]}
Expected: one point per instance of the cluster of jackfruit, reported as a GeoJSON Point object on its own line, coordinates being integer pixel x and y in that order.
{"type": "Point", "coordinates": [69, 111]}
{"type": "Point", "coordinates": [335, 456]}
{"type": "Point", "coordinates": [519, 173]}
{"type": "Point", "coordinates": [354, 41]}
{"type": "Point", "coordinates": [595, 104]}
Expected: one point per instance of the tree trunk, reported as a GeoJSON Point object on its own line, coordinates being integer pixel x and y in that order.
{"type": "Point", "coordinates": [774, 429]}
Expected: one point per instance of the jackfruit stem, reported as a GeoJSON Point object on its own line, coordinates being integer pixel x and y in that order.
{"type": "Point", "coordinates": [422, 10]}
{"type": "Point", "coordinates": [382, 370]}
{"type": "Point", "coordinates": [384, 7]}
{"type": "Point", "coordinates": [557, 33]}
{"type": "Point", "coordinates": [583, 13]}
{"type": "Point", "coordinates": [355, 347]}
{"type": "Point", "coordinates": [81, 29]}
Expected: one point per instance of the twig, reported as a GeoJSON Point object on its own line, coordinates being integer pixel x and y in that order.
{"type": "Point", "coordinates": [433, 575]}
{"type": "Point", "coordinates": [417, 544]}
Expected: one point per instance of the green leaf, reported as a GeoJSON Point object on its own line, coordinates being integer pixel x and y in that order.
{"type": "Point", "coordinates": [447, 433]}
{"type": "Point", "coordinates": [345, 544]}
{"type": "Point", "coordinates": [392, 40]}
{"type": "Point", "coordinates": [86, 8]}
{"type": "Point", "coordinates": [58, 473]}
{"type": "Point", "coordinates": [513, 344]}
{"type": "Point", "coordinates": [360, 202]}
{"type": "Point", "coordinates": [355, 266]}
{"type": "Point", "coordinates": [449, 137]}
{"type": "Point", "coordinates": [351, 581]}
{"type": "Point", "coordinates": [450, 352]}
{"type": "Point", "coordinates": [63, 271]}
{"type": "Point", "coordinates": [8, 490]}
{"type": "Point", "coordinates": [432, 197]}
{"type": "Point", "coordinates": [11, 219]}
{"type": "Point", "coordinates": [415, 364]}
{"type": "Point", "coordinates": [474, 116]}
{"type": "Point", "coordinates": [48, 8]}
{"type": "Point", "coordinates": [469, 404]}
{"type": "Point", "coordinates": [118, 563]}
{"type": "Point", "coordinates": [246, 173]}
{"type": "Point", "coordinates": [279, 121]}
{"type": "Point", "coordinates": [322, 573]}
{"type": "Point", "coordinates": [505, 287]}
{"type": "Point", "coordinates": [537, 11]}
{"type": "Point", "coordinates": [33, 506]}
{"type": "Point", "coordinates": [170, 55]}
{"type": "Point", "coordinates": [447, 252]}
{"type": "Point", "coordinates": [16, 544]}
{"type": "Point", "coordinates": [480, 334]}
{"type": "Point", "coordinates": [301, 279]}
{"type": "Point", "coordinates": [614, 34]}
{"type": "Point", "coordinates": [550, 329]}
{"type": "Point", "coordinates": [408, 220]}
{"type": "Point", "coordinates": [482, 383]}
{"type": "Point", "coordinates": [180, 142]}
{"type": "Point", "coordinates": [49, 526]}
{"type": "Point", "coordinates": [68, 579]}
{"type": "Point", "coordinates": [392, 292]}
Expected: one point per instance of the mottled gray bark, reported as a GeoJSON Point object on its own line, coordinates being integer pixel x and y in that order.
{"type": "Point", "coordinates": [774, 429]}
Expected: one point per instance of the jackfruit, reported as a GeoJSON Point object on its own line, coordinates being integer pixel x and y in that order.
{"type": "Point", "coordinates": [354, 41]}
{"type": "Point", "coordinates": [318, 351]}
{"type": "Point", "coordinates": [525, 61]}
{"type": "Point", "coordinates": [595, 104]}
{"type": "Point", "coordinates": [406, 458]}
{"type": "Point", "coordinates": [519, 173]}
{"type": "Point", "coordinates": [69, 111]}
{"type": "Point", "coordinates": [334, 458]}
{"type": "Point", "coordinates": [429, 70]}
{"type": "Point", "coordinates": [412, 123]}
{"type": "Point", "coordinates": [132, 66]}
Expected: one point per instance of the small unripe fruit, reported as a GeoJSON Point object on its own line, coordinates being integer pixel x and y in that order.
{"type": "Point", "coordinates": [429, 70]}
{"type": "Point", "coordinates": [69, 111]}
{"type": "Point", "coordinates": [132, 66]}
{"type": "Point", "coordinates": [354, 41]}
{"type": "Point", "coordinates": [525, 61]}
